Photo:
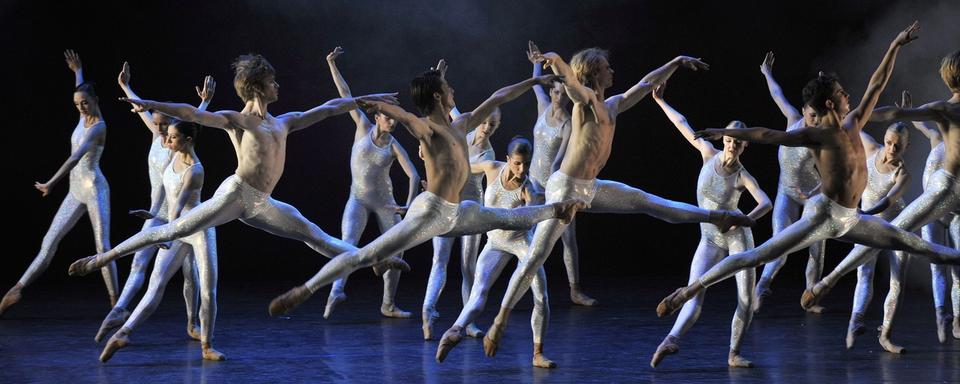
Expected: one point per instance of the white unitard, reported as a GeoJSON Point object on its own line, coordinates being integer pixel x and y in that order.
{"type": "Point", "coordinates": [89, 193]}
{"type": "Point", "coordinates": [500, 246]}
{"type": "Point", "coordinates": [715, 191]}
{"type": "Point", "coordinates": [946, 230]}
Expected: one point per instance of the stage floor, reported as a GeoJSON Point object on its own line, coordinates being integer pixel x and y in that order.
{"type": "Point", "coordinates": [48, 337]}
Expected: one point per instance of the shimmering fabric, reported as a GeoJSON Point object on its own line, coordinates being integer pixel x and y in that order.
{"type": "Point", "coordinates": [429, 216]}
{"type": "Point", "coordinates": [715, 191]}
{"type": "Point", "coordinates": [89, 193]}
{"type": "Point", "coordinates": [603, 196]}
{"type": "Point", "coordinates": [878, 185]}
{"type": "Point", "coordinates": [156, 161]}
{"type": "Point", "coordinates": [946, 231]}
{"type": "Point", "coordinates": [546, 145]}
{"type": "Point", "coordinates": [203, 247]}
{"type": "Point", "coordinates": [501, 245]}
{"type": "Point", "coordinates": [798, 176]}
{"type": "Point", "coordinates": [371, 191]}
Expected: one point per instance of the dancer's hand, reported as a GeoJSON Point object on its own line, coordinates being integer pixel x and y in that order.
{"type": "Point", "coordinates": [906, 101]}
{"type": "Point", "coordinates": [44, 188]}
{"type": "Point", "coordinates": [691, 63]}
{"type": "Point", "coordinates": [658, 92]}
{"type": "Point", "coordinates": [549, 58]}
{"type": "Point", "coordinates": [142, 213]}
{"type": "Point", "coordinates": [399, 209]}
{"type": "Point", "coordinates": [533, 53]}
{"type": "Point", "coordinates": [388, 98]}
{"type": "Point", "coordinates": [907, 35]}
{"type": "Point", "coordinates": [548, 80]}
{"type": "Point", "coordinates": [767, 66]}
{"type": "Point", "coordinates": [124, 77]}
{"type": "Point", "coordinates": [138, 105]}
{"type": "Point", "coordinates": [73, 60]}
{"type": "Point", "coordinates": [209, 88]}
{"type": "Point", "coordinates": [332, 56]}
{"type": "Point", "coordinates": [709, 134]}
{"type": "Point", "coordinates": [442, 67]}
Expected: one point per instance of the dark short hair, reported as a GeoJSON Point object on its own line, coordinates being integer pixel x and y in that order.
{"type": "Point", "coordinates": [519, 145]}
{"type": "Point", "coordinates": [187, 129]}
{"type": "Point", "coordinates": [818, 91]}
{"type": "Point", "coordinates": [86, 87]}
{"type": "Point", "coordinates": [422, 89]}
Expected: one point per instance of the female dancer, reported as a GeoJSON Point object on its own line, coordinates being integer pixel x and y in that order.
{"type": "Point", "coordinates": [157, 160]}
{"type": "Point", "coordinates": [371, 191]}
{"type": "Point", "coordinates": [886, 182]}
{"type": "Point", "coordinates": [182, 181]}
{"type": "Point", "coordinates": [799, 180]}
{"type": "Point", "coordinates": [722, 179]}
{"type": "Point", "coordinates": [550, 134]}
{"type": "Point", "coordinates": [507, 187]}
{"type": "Point", "coordinates": [88, 193]}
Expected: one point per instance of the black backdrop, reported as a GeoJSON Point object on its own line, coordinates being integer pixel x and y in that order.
{"type": "Point", "coordinates": [172, 45]}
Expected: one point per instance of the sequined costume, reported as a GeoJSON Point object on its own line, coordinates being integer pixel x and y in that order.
{"type": "Point", "coordinates": [946, 230]}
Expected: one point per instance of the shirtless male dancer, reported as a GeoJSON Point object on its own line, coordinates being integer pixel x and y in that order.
{"type": "Point", "coordinates": [586, 152]}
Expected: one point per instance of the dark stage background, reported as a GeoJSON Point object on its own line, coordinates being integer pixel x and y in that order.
{"type": "Point", "coordinates": [172, 45]}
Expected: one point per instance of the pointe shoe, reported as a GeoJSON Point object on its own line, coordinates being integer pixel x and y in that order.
{"type": "Point", "coordinates": [114, 320]}
{"type": "Point", "coordinates": [12, 297]}
{"type": "Point", "coordinates": [567, 209]}
{"type": "Point", "coordinates": [668, 346]}
{"type": "Point", "coordinates": [888, 345]}
{"type": "Point", "coordinates": [429, 316]}
{"type": "Point", "coordinates": [391, 262]}
{"type": "Point", "coordinates": [84, 266]}
{"type": "Point", "coordinates": [212, 354]}
{"type": "Point", "coordinates": [812, 296]}
{"type": "Point", "coordinates": [392, 311]}
{"type": "Point", "coordinates": [541, 361]}
{"type": "Point", "coordinates": [736, 361]}
{"type": "Point", "coordinates": [670, 304]}
{"type": "Point", "coordinates": [579, 298]}
{"type": "Point", "coordinates": [450, 339]}
{"type": "Point", "coordinates": [473, 331]}
{"type": "Point", "coordinates": [193, 331]}
{"type": "Point", "coordinates": [491, 342]}
{"type": "Point", "coordinates": [855, 328]}
{"type": "Point", "coordinates": [763, 291]}
{"type": "Point", "coordinates": [332, 301]}
{"type": "Point", "coordinates": [119, 340]}
{"type": "Point", "coordinates": [286, 302]}
{"type": "Point", "coordinates": [944, 322]}
{"type": "Point", "coordinates": [956, 327]}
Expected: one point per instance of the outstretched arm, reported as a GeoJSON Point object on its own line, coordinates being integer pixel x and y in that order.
{"type": "Point", "coordinates": [419, 129]}
{"type": "Point", "coordinates": [535, 57]}
{"type": "Point", "coordinates": [763, 201]}
{"type": "Point", "coordinates": [411, 170]}
{"type": "Point", "coordinates": [706, 149]}
{"type": "Point", "coordinates": [803, 137]}
{"type": "Point", "coordinates": [632, 96]}
{"type": "Point", "coordinates": [902, 179]}
{"type": "Point", "coordinates": [94, 135]}
{"type": "Point", "coordinates": [75, 65]}
{"type": "Point", "coordinates": [187, 112]}
{"type": "Point", "coordinates": [299, 120]}
{"type": "Point", "coordinates": [776, 93]}
{"type": "Point", "coordinates": [878, 81]}
{"type": "Point", "coordinates": [363, 124]}
{"type": "Point", "coordinates": [470, 120]}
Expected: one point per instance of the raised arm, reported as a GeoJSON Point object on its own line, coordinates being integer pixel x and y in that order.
{"type": "Point", "coordinates": [803, 137]}
{"type": "Point", "coordinates": [869, 144]}
{"type": "Point", "coordinates": [706, 149]}
{"type": "Point", "coordinates": [124, 80]}
{"type": "Point", "coordinates": [878, 81]}
{"type": "Point", "coordinates": [535, 57]}
{"type": "Point", "coordinates": [75, 65]}
{"type": "Point", "coordinates": [902, 179]}
{"type": "Point", "coordinates": [419, 129]}
{"type": "Point", "coordinates": [363, 124]}
{"type": "Point", "coordinates": [296, 121]}
{"type": "Point", "coordinates": [763, 201]}
{"type": "Point", "coordinates": [490, 168]}
{"type": "Point", "coordinates": [632, 96]}
{"type": "Point", "coordinates": [206, 93]}
{"type": "Point", "coordinates": [92, 137]}
{"type": "Point", "coordinates": [411, 170]}
{"type": "Point", "coordinates": [776, 93]}
{"type": "Point", "coordinates": [187, 112]}
{"type": "Point", "coordinates": [577, 92]}
{"type": "Point", "coordinates": [470, 120]}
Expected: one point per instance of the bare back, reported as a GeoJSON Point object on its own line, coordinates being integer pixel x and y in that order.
{"type": "Point", "coordinates": [262, 151]}
{"type": "Point", "coordinates": [950, 125]}
{"type": "Point", "coordinates": [590, 140]}
{"type": "Point", "coordinates": [446, 160]}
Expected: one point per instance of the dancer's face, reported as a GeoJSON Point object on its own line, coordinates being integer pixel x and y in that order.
{"type": "Point", "coordinates": [894, 144]}
{"type": "Point", "coordinates": [557, 95]}
{"type": "Point", "coordinates": [162, 122]}
{"type": "Point", "coordinates": [519, 165]}
{"type": "Point", "coordinates": [840, 99]}
{"type": "Point", "coordinates": [86, 104]}
{"type": "Point", "coordinates": [446, 99]}
{"type": "Point", "coordinates": [177, 141]}
{"type": "Point", "coordinates": [271, 90]}
{"type": "Point", "coordinates": [604, 75]}
{"type": "Point", "coordinates": [385, 123]}
{"type": "Point", "coordinates": [810, 117]}
{"type": "Point", "coordinates": [488, 126]}
{"type": "Point", "coordinates": [733, 147]}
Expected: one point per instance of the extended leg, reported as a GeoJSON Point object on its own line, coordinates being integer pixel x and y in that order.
{"type": "Point", "coordinates": [351, 228]}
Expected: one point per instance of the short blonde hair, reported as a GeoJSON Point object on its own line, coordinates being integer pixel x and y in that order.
{"type": "Point", "coordinates": [736, 124]}
{"type": "Point", "coordinates": [950, 71]}
{"type": "Point", "coordinates": [585, 62]}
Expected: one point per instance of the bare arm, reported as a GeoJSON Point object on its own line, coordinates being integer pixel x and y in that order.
{"type": "Point", "coordinates": [870, 145]}
{"type": "Point", "coordinates": [776, 93]}
{"type": "Point", "coordinates": [632, 96]}
{"type": "Point", "coordinates": [363, 124]}
{"type": "Point", "coordinates": [419, 129]}
{"type": "Point", "coordinates": [299, 120]}
{"type": "Point", "coordinates": [94, 135]}
{"type": "Point", "coordinates": [75, 65]}
{"type": "Point", "coordinates": [895, 193]}
{"type": "Point", "coordinates": [470, 120]}
{"type": "Point", "coordinates": [803, 137]}
{"type": "Point", "coordinates": [878, 81]}
{"type": "Point", "coordinates": [124, 80]}
{"type": "Point", "coordinates": [411, 170]}
{"type": "Point", "coordinates": [705, 148]}
{"type": "Point", "coordinates": [578, 93]}
{"type": "Point", "coordinates": [206, 93]}
{"type": "Point", "coordinates": [487, 167]}
{"type": "Point", "coordinates": [763, 201]}
{"type": "Point", "coordinates": [543, 99]}
{"type": "Point", "coordinates": [187, 112]}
